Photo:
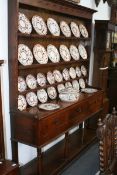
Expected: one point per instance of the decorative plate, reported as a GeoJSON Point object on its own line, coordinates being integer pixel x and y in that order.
{"type": "Point", "coordinates": [24, 25]}
{"type": "Point", "coordinates": [57, 75]}
{"type": "Point", "coordinates": [83, 70]}
{"type": "Point", "coordinates": [31, 81]}
{"type": "Point", "coordinates": [21, 84]}
{"type": "Point", "coordinates": [82, 51]}
{"type": "Point", "coordinates": [31, 99]}
{"type": "Point", "coordinates": [78, 72]}
{"type": "Point", "coordinates": [52, 92]}
{"type": "Point", "coordinates": [65, 29]}
{"type": "Point", "coordinates": [75, 30]}
{"type": "Point", "coordinates": [53, 27]}
{"type": "Point", "coordinates": [75, 85]}
{"type": "Point", "coordinates": [83, 31]}
{"type": "Point", "coordinates": [49, 106]}
{"type": "Point", "coordinates": [42, 95]}
{"type": "Point", "coordinates": [72, 72]}
{"type": "Point", "coordinates": [65, 74]}
{"type": "Point", "coordinates": [53, 53]}
{"type": "Point", "coordinates": [89, 90]}
{"type": "Point", "coordinates": [41, 79]}
{"type": "Point", "coordinates": [21, 103]}
{"type": "Point", "coordinates": [25, 56]}
{"type": "Point", "coordinates": [68, 85]}
{"type": "Point", "coordinates": [40, 54]}
{"type": "Point", "coordinates": [82, 83]}
{"type": "Point", "coordinates": [74, 52]}
{"type": "Point", "coordinates": [50, 77]}
{"type": "Point", "coordinates": [60, 87]}
{"type": "Point", "coordinates": [64, 51]}
{"type": "Point", "coordinates": [39, 25]}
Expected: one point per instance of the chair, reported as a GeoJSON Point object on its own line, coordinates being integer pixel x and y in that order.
{"type": "Point", "coordinates": [107, 135]}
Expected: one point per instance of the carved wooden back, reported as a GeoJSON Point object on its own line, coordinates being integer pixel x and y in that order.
{"type": "Point", "coordinates": [107, 135]}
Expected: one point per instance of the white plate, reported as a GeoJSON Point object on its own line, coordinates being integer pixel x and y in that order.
{"type": "Point", "coordinates": [52, 92]}
{"type": "Point", "coordinates": [82, 83]}
{"type": "Point", "coordinates": [83, 31]}
{"type": "Point", "coordinates": [24, 25]}
{"type": "Point", "coordinates": [42, 95]}
{"type": "Point", "coordinates": [41, 79]}
{"type": "Point", "coordinates": [68, 85]}
{"type": "Point", "coordinates": [21, 103]}
{"type": "Point", "coordinates": [65, 29]}
{"type": "Point", "coordinates": [82, 51]}
{"type": "Point", "coordinates": [60, 87]}
{"type": "Point", "coordinates": [78, 72]}
{"type": "Point", "coordinates": [50, 77]}
{"type": "Point", "coordinates": [40, 54]}
{"type": "Point", "coordinates": [75, 85]}
{"type": "Point", "coordinates": [58, 76]}
{"type": "Point", "coordinates": [31, 81]}
{"type": "Point", "coordinates": [74, 52]}
{"type": "Point", "coordinates": [75, 30]}
{"type": "Point", "coordinates": [49, 106]}
{"type": "Point", "coordinates": [72, 72]}
{"type": "Point", "coordinates": [21, 84]}
{"type": "Point", "coordinates": [65, 54]}
{"type": "Point", "coordinates": [65, 74]}
{"type": "Point", "coordinates": [53, 53]}
{"type": "Point", "coordinates": [25, 56]}
{"type": "Point", "coordinates": [83, 70]}
{"type": "Point", "coordinates": [89, 90]}
{"type": "Point", "coordinates": [53, 27]}
{"type": "Point", "coordinates": [31, 99]}
{"type": "Point", "coordinates": [39, 25]}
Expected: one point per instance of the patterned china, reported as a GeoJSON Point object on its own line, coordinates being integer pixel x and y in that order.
{"type": "Point", "coordinates": [50, 77]}
{"type": "Point", "coordinates": [72, 72]}
{"type": "Point", "coordinates": [53, 53]}
{"type": "Point", "coordinates": [65, 74]}
{"type": "Point", "coordinates": [75, 30]}
{"type": "Point", "coordinates": [82, 51]}
{"type": "Point", "coordinates": [89, 90]}
{"type": "Point", "coordinates": [52, 92]}
{"type": "Point", "coordinates": [78, 72]}
{"type": "Point", "coordinates": [25, 56]}
{"type": "Point", "coordinates": [65, 29]}
{"type": "Point", "coordinates": [24, 25]}
{"type": "Point", "coordinates": [53, 27]}
{"type": "Point", "coordinates": [40, 54]}
{"type": "Point", "coordinates": [21, 103]}
{"type": "Point", "coordinates": [31, 99]}
{"type": "Point", "coordinates": [58, 76]}
{"type": "Point", "coordinates": [39, 25]}
{"type": "Point", "coordinates": [41, 79]}
{"type": "Point", "coordinates": [21, 84]}
{"type": "Point", "coordinates": [68, 85]}
{"type": "Point", "coordinates": [31, 81]}
{"type": "Point", "coordinates": [65, 54]}
{"type": "Point", "coordinates": [42, 95]}
{"type": "Point", "coordinates": [74, 52]}
{"type": "Point", "coordinates": [82, 83]}
{"type": "Point", "coordinates": [60, 87]}
{"type": "Point", "coordinates": [83, 70]}
{"type": "Point", "coordinates": [83, 31]}
{"type": "Point", "coordinates": [75, 85]}
{"type": "Point", "coordinates": [49, 106]}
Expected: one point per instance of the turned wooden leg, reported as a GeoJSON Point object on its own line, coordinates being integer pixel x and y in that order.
{"type": "Point", "coordinates": [39, 161]}
{"type": "Point", "coordinates": [14, 151]}
{"type": "Point", "coordinates": [66, 145]}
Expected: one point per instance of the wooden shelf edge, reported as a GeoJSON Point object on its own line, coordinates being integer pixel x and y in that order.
{"type": "Point", "coordinates": [1, 62]}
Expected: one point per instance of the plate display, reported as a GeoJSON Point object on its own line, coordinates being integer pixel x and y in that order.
{"type": "Point", "coordinates": [75, 29]}
{"type": "Point", "coordinates": [83, 31]}
{"type": "Point", "coordinates": [68, 85]}
{"type": "Point", "coordinates": [31, 99]}
{"type": "Point", "coordinates": [89, 90]}
{"type": "Point", "coordinates": [42, 95]}
{"type": "Point", "coordinates": [31, 81]}
{"type": "Point", "coordinates": [21, 103]}
{"type": "Point", "coordinates": [50, 77]}
{"type": "Point", "coordinates": [65, 29]}
{"type": "Point", "coordinates": [65, 74]}
{"type": "Point", "coordinates": [57, 75]}
{"type": "Point", "coordinates": [52, 92]}
{"type": "Point", "coordinates": [25, 56]}
{"type": "Point", "coordinates": [53, 27]}
{"type": "Point", "coordinates": [41, 79]}
{"type": "Point", "coordinates": [72, 72]}
{"type": "Point", "coordinates": [49, 106]}
{"type": "Point", "coordinates": [82, 83]}
{"type": "Point", "coordinates": [78, 72]}
{"type": "Point", "coordinates": [65, 54]}
{"type": "Point", "coordinates": [53, 53]}
{"type": "Point", "coordinates": [75, 85]}
{"type": "Point", "coordinates": [74, 52]}
{"type": "Point", "coordinates": [82, 51]}
{"type": "Point", "coordinates": [39, 25]}
{"type": "Point", "coordinates": [83, 70]}
{"type": "Point", "coordinates": [40, 54]}
{"type": "Point", "coordinates": [60, 87]}
{"type": "Point", "coordinates": [24, 25]}
{"type": "Point", "coordinates": [21, 84]}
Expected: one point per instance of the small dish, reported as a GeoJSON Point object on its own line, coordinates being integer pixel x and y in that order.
{"type": "Point", "coordinates": [89, 90]}
{"type": "Point", "coordinates": [53, 27]}
{"type": "Point", "coordinates": [65, 29]}
{"type": "Point", "coordinates": [22, 86]}
{"type": "Point", "coordinates": [65, 74]}
{"type": "Point", "coordinates": [58, 76]}
{"type": "Point", "coordinates": [42, 95]}
{"type": "Point", "coordinates": [60, 87]}
{"type": "Point", "coordinates": [74, 52]}
{"type": "Point", "coordinates": [82, 51]}
{"type": "Point", "coordinates": [75, 29]}
{"type": "Point", "coordinates": [83, 70]}
{"type": "Point", "coordinates": [72, 73]}
{"type": "Point", "coordinates": [82, 83]}
{"type": "Point", "coordinates": [31, 81]}
{"type": "Point", "coordinates": [31, 99]}
{"type": "Point", "coordinates": [22, 104]}
{"type": "Point", "coordinates": [53, 53]}
{"type": "Point", "coordinates": [50, 77]}
{"type": "Point", "coordinates": [83, 31]}
{"type": "Point", "coordinates": [65, 54]}
{"type": "Point", "coordinates": [49, 106]}
{"type": "Point", "coordinates": [52, 93]}
{"type": "Point", "coordinates": [75, 85]}
{"type": "Point", "coordinates": [41, 79]}
{"type": "Point", "coordinates": [78, 72]}
{"type": "Point", "coordinates": [68, 85]}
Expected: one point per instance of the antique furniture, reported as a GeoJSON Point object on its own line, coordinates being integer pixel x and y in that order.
{"type": "Point", "coordinates": [107, 134]}
{"type": "Point", "coordinates": [7, 167]}
{"type": "Point", "coordinates": [36, 127]}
